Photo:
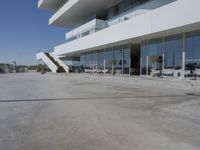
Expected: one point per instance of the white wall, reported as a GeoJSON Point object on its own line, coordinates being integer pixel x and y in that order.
{"type": "Point", "coordinates": [141, 9]}
{"type": "Point", "coordinates": [47, 61]}
{"type": "Point", "coordinates": [66, 68]}
{"type": "Point", "coordinates": [95, 23]}
{"type": "Point", "coordinates": [172, 16]}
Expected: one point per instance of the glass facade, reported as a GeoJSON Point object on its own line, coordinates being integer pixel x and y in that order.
{"type": "Point", "coordinates": [193, 51]}
{"type": "Point", "coordinates": [82, 63]}
{"type": "Point", "coordinates": [101, 61]}
{"type": "Point", "coordinates": [126, 59]}
{"type": "Point", "coordinates": [108, 60]}
{"type": "Point", "coordinates": [155, 53]}
{"type": "Point", "coordinates": [124, 6]}
{"type": "Point", "coordinates": [173, 48]}
{"type": "Point", "coordinates": [118, 54]}
{"type": "Point", "coordinates": [87, 61]}
{"type": "Point", "coordinates": [164, 56]}
{"type": "Point", "coordinates": [144, 59]}
{"type": "Point", "coordinates": [161, 56]}
{"type": "Point", "coordinates": [93, 61]}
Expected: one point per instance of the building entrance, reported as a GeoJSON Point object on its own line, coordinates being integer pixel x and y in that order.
{"type": "Point", "coordinates": [135, 59]}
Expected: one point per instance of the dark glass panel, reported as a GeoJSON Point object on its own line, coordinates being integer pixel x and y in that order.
{"type": "Point", "coordinates": [83, 62]}
{"type": "Point", "coordinates": [93, 62]}
{"type": "Point", "coordinates": [173, 47]}
{"type": "Point", "coordinates": [126, 59]}
{"type": "Point", "coordinates": [87, 61]}
{"type": "Point", "coordinates": [193, 50]}
{"type": "Point", "coordinates": [100, 61]}
{"type": "Point", "coordinates": [108, 60]}
{"type": "Point", "coordinates": [118, 55]}
{"type": "Point", "coordinates": [144, 54]}
{"type": "Point", "coordinates": [155, 51]}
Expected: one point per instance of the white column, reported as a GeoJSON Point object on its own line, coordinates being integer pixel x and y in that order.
{"type": "Point", "coordinates": [130, 49]}
{"type": "Point", "coordinates": [122, 59]}
{"type": "Point", "coordinates": [147, 67]}
{"type": "Point", "coordinates": [140, 65]}
{"type": "Point", "coordinates": [163, 56]}
{"type": "Point", "coordinates": [163, 62]}
{"type": "Point", "coordinates": [104, 62]}
{"type": "Point", "coordinates": [183, 56]}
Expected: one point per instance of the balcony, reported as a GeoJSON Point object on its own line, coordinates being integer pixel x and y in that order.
{"type": "Point", "coordinates": [75, 11]}
{"type": "Point", "coordinates": [86, 29]}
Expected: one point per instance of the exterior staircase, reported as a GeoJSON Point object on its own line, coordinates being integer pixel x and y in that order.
{"type": "Point", "coordinates": [60, 69]}
{"type": "Point", "coordinates": [53, 62]}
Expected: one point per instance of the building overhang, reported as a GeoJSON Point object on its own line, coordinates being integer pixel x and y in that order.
{"type": "Point", "coordinates": [52, 5]}
{"type": "Point", "coordinates": [156, 23]}
{"type": "Point", "coordinates": [77, 11]}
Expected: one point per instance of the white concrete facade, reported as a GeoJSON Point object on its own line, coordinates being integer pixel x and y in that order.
{"type": "Point", "coordinates": [154, 22]}
{"type": "Point", "coordinates": [47, 61]}
{"type": "Point", "coordinates": [151, 19]}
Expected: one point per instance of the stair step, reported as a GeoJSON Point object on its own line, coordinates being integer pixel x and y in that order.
{"type": "Point", "coordinates": [60, 68]}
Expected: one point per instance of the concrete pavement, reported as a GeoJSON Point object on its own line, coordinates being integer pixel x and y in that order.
{"type": "Point", "coordinates": [78, 112]}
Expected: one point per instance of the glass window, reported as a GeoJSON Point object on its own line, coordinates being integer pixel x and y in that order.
{"type": "Point", "coordinates": [118, 55]}
{"type": "Point", "coordinates": [144, 54]}
{"type": "Point", "coordinates": [87, 60]}
{"type": "Point", "coordinates": [108, 60]}
{"type": "Point", "coordinates": [193, 50]}
{"type": "Point", "coordinates": [116, 10]}
{"type": "Point", "coordinates": [173, 47]}
{"type": "Point", "coordinates": [100, 61]}
{"type": "Point", "coordinates": [82, 63]}
{"type": "Point", "coordinates": [124, 6]}
{"type": "Point", "coordinates": [155, 51]}
{"type": "Point", "coordinates": [126, 59]}
{"type": "Point", "coordinates": [93, 61]}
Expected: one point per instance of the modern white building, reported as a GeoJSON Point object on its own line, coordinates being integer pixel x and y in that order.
{"type": "Point", "coordinates": [137, 37]}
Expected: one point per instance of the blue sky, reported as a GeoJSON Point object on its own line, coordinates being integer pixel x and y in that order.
{"type": "Point", "coordinates": [24, 30]}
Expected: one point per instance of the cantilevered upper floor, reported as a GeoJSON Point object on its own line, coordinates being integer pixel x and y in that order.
{"type": "Point", "coordinates": [52, 5]}
{"type": "Point", "coordinates": [70, 13]}
{"type": "Point", "coordinates": [74, 12]}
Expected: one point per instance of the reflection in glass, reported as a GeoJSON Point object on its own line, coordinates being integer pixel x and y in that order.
{"type": "Point", "coordinates": [173, 52]}
{"type": "Point", "coordinates": [144, 54]}
{"type": "Point", "coordinates": [87, 60]}
{"type": "Point", "coordinates": [82, 63]}
{"type": "Point", "coordinates": [118, 53]}
{"type": "Point", "coordinates": [108, 60]}
{"type": "Point", "coordinates": [100, 61]}
{"type": "Point", "coordinates": [93, 62]}
{"type": "Point", "coordinates": [193, 51]}
{"type": "Point", "coordinates": [155, 50]}
{"type": "Point", "coordinates": [126, 59]}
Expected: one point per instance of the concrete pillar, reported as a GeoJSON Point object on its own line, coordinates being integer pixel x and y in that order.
{"type": "Point", "coordinates": [122, 59]}
{"type": "Point", "coordinates": [183, 55]}
{"type": "Point", "coordinates": [163, 56]}
{"type": "Point", "coordinates": [104, 62]}
{"type": "Point", "coordinates": [147, 67]}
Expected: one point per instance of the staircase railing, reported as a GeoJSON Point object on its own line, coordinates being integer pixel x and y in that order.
{"type": "Point", "coordinates": [60, 68]}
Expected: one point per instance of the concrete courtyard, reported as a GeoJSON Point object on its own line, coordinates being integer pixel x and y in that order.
{"type": "Point", "coordinates": [79, 112]}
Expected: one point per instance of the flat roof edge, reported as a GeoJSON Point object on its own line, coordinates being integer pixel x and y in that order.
{"type": "Point", "coordinates": [62, 11]}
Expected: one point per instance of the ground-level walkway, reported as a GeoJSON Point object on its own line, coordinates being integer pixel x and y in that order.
{"type": "Point", "coordinates": [80, 112]}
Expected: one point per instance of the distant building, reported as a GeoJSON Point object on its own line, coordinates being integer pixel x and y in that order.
{"type": "Point", "coordinates": [138, 37]}
{"type": "Point", "coordinates": [7, 68]}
